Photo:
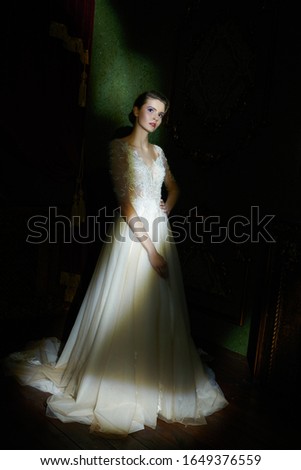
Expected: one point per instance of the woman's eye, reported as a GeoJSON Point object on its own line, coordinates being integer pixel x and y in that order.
{"type": "Point", "coordinates": [150, 110]}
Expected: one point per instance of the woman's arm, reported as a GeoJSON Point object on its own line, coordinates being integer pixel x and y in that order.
{"type": "Point", "coordinates": [122, 187]}
{"type": "Point", "coordinates": [172, 188]}
{"type": "Point", "coordinates": [136, 225]}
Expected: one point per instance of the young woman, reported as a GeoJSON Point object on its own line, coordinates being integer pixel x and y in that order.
{"type": "Point", "coordinates": [130, 358]}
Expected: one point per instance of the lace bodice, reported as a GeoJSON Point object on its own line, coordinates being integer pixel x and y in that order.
{"type": "Point", "coordinates": [134, 180]}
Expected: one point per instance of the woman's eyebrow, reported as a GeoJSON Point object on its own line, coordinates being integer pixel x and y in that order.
{"type": "Point", "coordinates": [150, 106]}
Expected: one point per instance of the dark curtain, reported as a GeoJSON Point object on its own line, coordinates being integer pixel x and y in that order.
{"type": "Point", "coordinates": [82, 12]}
{"type": "Point", "coordinates": [81, 15]}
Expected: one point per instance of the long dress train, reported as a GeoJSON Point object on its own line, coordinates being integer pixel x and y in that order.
{"type": "Point", "coordinates": [130, 358]}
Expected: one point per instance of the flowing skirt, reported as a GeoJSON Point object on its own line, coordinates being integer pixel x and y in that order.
{"type": "Point", "coordinates": [130, 358]}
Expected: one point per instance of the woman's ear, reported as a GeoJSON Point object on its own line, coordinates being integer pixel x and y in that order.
{"type": "Point", "coordinates": [135, 111]}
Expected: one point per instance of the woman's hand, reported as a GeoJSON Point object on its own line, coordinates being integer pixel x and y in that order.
{"type": "Point", "coordinates": [158, 263]}
{"type": "Point", "coordinates": [164, 208]}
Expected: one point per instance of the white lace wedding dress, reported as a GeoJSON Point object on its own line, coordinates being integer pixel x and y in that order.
{"type": "Point", "coordinates": [130, 358]}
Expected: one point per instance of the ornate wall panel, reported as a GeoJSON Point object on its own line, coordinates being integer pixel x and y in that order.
{"type": "Point", "coordinates": [219, 119]}
{"type": "Point", "coordinates": [220, 93]}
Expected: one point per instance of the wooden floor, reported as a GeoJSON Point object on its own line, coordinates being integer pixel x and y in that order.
{"type": "Point", "coordinates": [253, 420]}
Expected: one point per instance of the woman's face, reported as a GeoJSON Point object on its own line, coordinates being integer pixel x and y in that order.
{"type": "Point", "coordinates": [150, 115]}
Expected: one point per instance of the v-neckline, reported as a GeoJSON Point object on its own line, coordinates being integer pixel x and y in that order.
{"type": "Point", "coordinates": [149, 166]}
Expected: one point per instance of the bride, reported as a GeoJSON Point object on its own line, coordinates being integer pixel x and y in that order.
{"type": "Point", "coordinates": [130, 358]}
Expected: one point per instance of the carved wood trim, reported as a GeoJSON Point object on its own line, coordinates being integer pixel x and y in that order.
{"type": "Point", "coordinates": [278, 349]}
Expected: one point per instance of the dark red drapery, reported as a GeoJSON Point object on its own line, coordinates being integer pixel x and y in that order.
{"type": "Point", "coordinates": [79, 19]}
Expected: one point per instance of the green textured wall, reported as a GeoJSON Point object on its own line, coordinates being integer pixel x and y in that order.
{"type": "Point", "coordinates": [225, 334]}
{"type": "Point", "coordinates": [133, 51]}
